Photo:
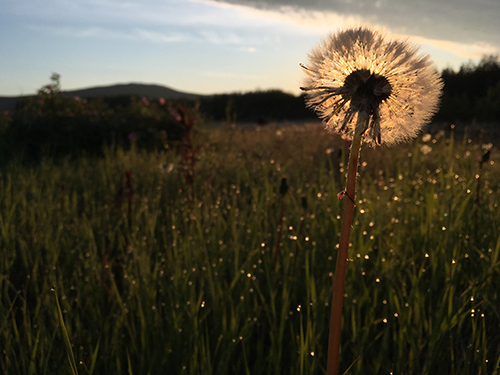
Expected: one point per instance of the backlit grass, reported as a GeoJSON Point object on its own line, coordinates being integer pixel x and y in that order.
{"type": "Point", "coordinates": [155, 275]}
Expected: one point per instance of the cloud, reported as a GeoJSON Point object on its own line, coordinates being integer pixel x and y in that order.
{"type": "Point", "coordinates": [215, 37]}
{"type": "Point", "coordinates": [159, 37]}
{"type": "Point", "coordinates": [470, 51]}
{"type": "Point", "coordinates": [450, 27]}
{"type": "Point", "coordinates": [136, 34]}
{"type": "Point", "coordinates": [462, 21]}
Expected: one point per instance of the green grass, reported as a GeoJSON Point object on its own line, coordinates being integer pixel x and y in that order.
{"type": "Point", "coordinates": [183, 282]}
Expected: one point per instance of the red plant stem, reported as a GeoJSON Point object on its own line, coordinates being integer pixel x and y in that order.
{"type": "Point", "coordinates": [341, 266]}
{"type": "Point", "coordinates": [280, 229]}
{"type": "Point", "coordinates": [130, 192]}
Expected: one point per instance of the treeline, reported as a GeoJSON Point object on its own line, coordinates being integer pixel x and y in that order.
{"type": "Point", "coordinates": [260, 107]}
{"type": "Point", "coordinates": [470, 94]}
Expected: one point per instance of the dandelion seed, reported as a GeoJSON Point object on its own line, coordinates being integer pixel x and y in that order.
{"type": "Point", "coordinates": [358, 72]}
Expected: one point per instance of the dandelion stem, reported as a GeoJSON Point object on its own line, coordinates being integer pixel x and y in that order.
{"type": "Point", "coordinates": [340, 268]}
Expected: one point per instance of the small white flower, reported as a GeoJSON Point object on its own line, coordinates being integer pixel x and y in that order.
{"type": "Point", "coordinates": [426, 137]}
{"type": "Point", "coordinates": [425, 149]}
{"type": "Point", "coordinates": [487, 146]}
{"type": "Point", "coordinates": [167, 168]}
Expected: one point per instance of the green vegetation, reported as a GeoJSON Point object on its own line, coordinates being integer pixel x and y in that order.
{"type": "Point", "coordinates": [53, 125]}
{"type": "Point", "coordinates": [472, 93]}
{"type": "Point", "coordinates": [152, 262]}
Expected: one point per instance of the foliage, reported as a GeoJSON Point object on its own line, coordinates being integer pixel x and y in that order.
{"type": "Point", "coordinates": [153, 279]}
{"type": "Point", "coordinates": [472, 93]}
{"type": "Point", "coordinates": [260, 107]}
{"type": "Point", "coordinates": [53, 124]}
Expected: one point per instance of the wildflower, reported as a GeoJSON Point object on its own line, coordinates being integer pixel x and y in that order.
{"type": "Point", "coordinates": [424, 149]}
{"type": "Point", "coordinates": [166, 168]}
{"type": "Point", "coordinates": [391, 88]}
{"type": "Point", "coordinates": [426, 137]}
{"type": "Point", "coordinates": [487, 146]}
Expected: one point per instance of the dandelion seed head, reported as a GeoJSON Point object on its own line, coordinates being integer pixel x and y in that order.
{"type": "Point", "coordinates": [360, 71]}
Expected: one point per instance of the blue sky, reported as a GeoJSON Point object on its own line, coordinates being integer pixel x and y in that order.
{"type": "Point", "coordinates": [216, 46]}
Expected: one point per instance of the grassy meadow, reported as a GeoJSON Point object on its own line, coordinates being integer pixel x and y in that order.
{"type": "Point", "coordinates": [125, 264]}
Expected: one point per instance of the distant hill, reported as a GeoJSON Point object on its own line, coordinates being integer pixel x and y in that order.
{"type": "Point", "coordinates": [150, 91]}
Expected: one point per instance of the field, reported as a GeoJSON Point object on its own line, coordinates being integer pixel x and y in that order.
{"type": "Point", "coordinates": [127, 264]}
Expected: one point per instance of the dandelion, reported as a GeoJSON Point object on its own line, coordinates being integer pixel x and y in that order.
{"type": "Point", "coordinates": [369, 89]}
{"type": "Point", "coordinates": [389, 86]}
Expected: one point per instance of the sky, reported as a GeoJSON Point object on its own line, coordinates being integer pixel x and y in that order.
{"type": "Point", "coordinates": [217, 46]}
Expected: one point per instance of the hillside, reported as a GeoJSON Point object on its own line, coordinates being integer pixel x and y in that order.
{"type": "Point", "coordinates": [150, 91]}
{"type": "Point", "coordinates": [147, 90]}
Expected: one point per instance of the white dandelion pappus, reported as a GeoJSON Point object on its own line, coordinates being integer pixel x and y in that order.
{"type": "Point", "coordinates": [360, 72]}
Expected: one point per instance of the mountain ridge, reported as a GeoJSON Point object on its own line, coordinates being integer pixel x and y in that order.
{"type": "Point", "coordinates": [153, 91]}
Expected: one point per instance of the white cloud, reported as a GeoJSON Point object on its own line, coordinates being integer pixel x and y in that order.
{"type": "Point", "coordinates": [215, 37]}
{"type": "Point", "coordinates": [136, 34]}
{"type": "Point", "coordinates": [470, 51]}
{"type": "Point", "coordinates": [320, 22]}
{"type": "Point", "coordinates": [158, 37]}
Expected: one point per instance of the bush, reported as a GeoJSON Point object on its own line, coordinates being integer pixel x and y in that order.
{"type": "Point", "coordinates": [54, 125]}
